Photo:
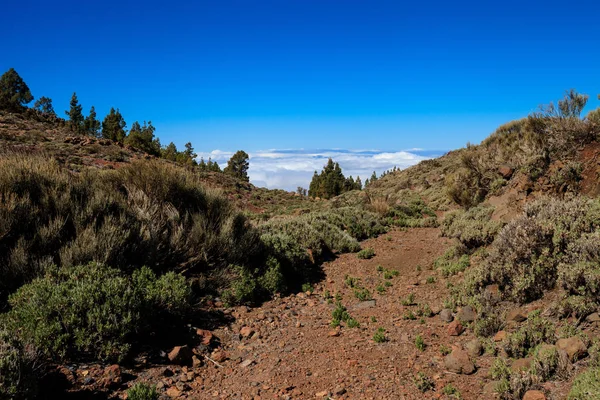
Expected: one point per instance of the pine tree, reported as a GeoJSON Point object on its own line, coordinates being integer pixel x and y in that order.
{"type": "Point", "coordinates": [113, 126]}
{"type": "Point", "coordinates": [75, 114]}
{"type": "Point", "coordinates": [358, 183]}
{"type": "Point", "coordinates": [91, 125]}
{"type": "Point", "coordinates": [14, 92]}
{"type": "Point", "coordinates": [44, 105]}
{"type": "Point", "coordinates": [170, 152]}
{"type": "Point", "coordinates": [202, 164]}
{"type": "Point", "coordinates": [142, 138]}
{"type": "Point", "coordinates": [238, 165]}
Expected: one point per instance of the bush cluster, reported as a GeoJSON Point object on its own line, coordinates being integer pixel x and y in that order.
{"type": "Point", "coordinates": [18, 364]}
{"type": "Point", "coordinates": [147, 213]}
{"type": "Point", "coordinates": [473, 228]}
{"type": "Point", "coordinates": [93, 311]}
{"type": "Point", "coordinates": [552, 242]}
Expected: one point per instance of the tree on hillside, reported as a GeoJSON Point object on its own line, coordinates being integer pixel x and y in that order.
{"type": "Point", "coordinates": [113, 126]}
{"type": "Point", "coordinates": [358, 183]}
{"type": "Point", "coordinates": [142, 138]}
{"type": "Point", "coordinates": [75, 115]}
{"type": "Point", "coordinates": [44, 105]}
{"type": "Point", "coordinates": [14, 93]}
{"type": "Point", "coordinates": [330, 182]}
{"type": "Point", "coordinates": [212, 166]}
{"type": "Point", "coordinates": [238, 165]}
{"type": "Point", "coordinates": [91, 125]}
{"type": "Point", "coordinates": [170, 152]}
{"type": "Point", "coordinates": [187, 156]}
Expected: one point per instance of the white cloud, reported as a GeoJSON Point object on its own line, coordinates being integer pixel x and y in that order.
{"type": "Point", "coordinates": [289, 168]}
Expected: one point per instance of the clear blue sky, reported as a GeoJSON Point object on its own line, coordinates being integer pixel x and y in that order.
{"type": "Point", "coordinates": [257, 74]}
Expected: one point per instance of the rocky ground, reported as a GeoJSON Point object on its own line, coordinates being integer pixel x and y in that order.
{"type": "Point", "coordinates": [287, 348]}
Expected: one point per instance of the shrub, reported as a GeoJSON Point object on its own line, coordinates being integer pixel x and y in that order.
{"type": "Point", "coordinates": [94, 311]}
{"type": "Point", "coordinates": [146, 213]}
{"type": "Point", "coordinates": [420, 343]}
{"type": "Point", "coordinates": [142, 391]}
{"type": "Point", "coordinates": [423, 382]}
{"type": "Point", "coordinates": [473, 228]}
{"type": "Point", "coordinates": [539, 248]}
{"type": "Point", "coordinates": [534, 331]}
{"type": "Point", "coordinates": [586, 385]}
{"type": "Point", "coordinates": [366, 254]}
{"type": "Point", "coordinates": [379, 336]}
{"type": "Point", "coordinates": [18, 364]}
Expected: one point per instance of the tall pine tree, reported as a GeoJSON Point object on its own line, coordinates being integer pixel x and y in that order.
{"type": "Point", "coordinates": [14, 92]}
{"type": "Point", "coordinates": [113, 126]}
{"type": "Point", "coordinates": [91, 125]}
{"type": "Point", "coordinates": [238, 165]}
{"type": "Point", "coordinates": [75, 115]}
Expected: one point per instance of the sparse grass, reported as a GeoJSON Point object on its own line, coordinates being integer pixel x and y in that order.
{"type": "Point", "coordinates": [451, 391]}
{"type": "Point", "coordinates": [420, 343]}
{"type": "Point", "coordinates": [379, 336]}
{"type": "Point", "coordinates": [409, 300]}
{"type": "Point", "coordinates": [307, 288]}
{"type": "Point", "coordinates": [423, 382]}
{"type": "Point", "coordinates": [366, 254]}
{"type": "Point", "coordinates": [445, 350]}
{"type": "Point", "coordinates": [380, 289]}
{"type": "Point", "coordinates": [352, 323]}
{"type": "Point", "coordinates": [351, 281]}
{"type": "Point", "coordinates": [430, 279]}
{"type": "Point", "coordinates": [362, 294]}
{"type": "Point", "coordinates": [409, 315]}
{"type": "Point", "coordinates": [142, 391]}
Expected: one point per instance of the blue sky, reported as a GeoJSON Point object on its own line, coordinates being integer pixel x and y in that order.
{"type": "Point", "coordinates": [291, 74]}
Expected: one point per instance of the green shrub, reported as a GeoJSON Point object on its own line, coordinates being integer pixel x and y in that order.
{"type": "Point", "coordinates": [536, 330]}
{"type": "Point", "coordinates": [142, 391]}
{"type": "Point", "coordinates": [379, 336]}
{"type": "Point", "coordinates": [473, 228]}
{"type": "Point", "coordinates": [552, 241]}
{"type": "Point", "coordinates": [420, 343]}
{"type": "Point", "coordinates": [586, 385]}
{"type": "Point", "coordinates": [18, 375]}
{"type": "Point", "coordinates": [423, 382]}
{"type": "Point", "coordinates": [94, 311]}
{"type": "Point", "coordinates": [366, 254]}
{"type": "Point", "coordinates": [362, 294]}
{"type": "Point", "coordinates": [146, 213]}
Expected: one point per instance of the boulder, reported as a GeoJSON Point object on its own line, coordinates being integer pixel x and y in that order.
{"type": "Point", "coordinates": [446, 315]}
{"type": "Point", "coordinates": [458, 362]}
{"type": "Point", "coordinates": [516, 316]}
{"type": "Point", "coordinates": [474, 348]}
{"type": "Point", "coordinates": [521, 364]}
{"type": "Point", "coordinates": [455, 328]}
{"type": "Point", "coordinates": [466, 314]}
{"type": "Point", "coordinates": [505, 171]}
{"type": "Point", "coordinates": [181, 355]}
{"type": "Point", "coordinates": [246, 331]}
{"type": "Point", "coordinates": [500, 336]}
{"type": "Point", "coordinates": [534, 395]}
{"type": "Point", "coordinates": [573, 346]}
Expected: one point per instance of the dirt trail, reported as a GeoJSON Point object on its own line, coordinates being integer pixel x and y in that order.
{"type": "Point", "coordinates": [292, 353]}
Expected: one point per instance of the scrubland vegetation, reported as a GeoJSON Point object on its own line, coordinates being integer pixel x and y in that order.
{"type": "Point", "coordinates": [99, 263]}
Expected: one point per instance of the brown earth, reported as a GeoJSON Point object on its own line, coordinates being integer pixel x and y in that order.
{"type": "Point", "coordinates": [286, 348]}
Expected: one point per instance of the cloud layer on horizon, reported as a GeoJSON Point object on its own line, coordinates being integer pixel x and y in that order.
{"type": "Point", "coordinates": [289, 168]}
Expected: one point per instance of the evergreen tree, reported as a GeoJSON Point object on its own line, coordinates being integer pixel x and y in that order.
{"type": "Point", "coordinates": [214, 166]}
{"type": "Point", "coordinates": [170, 152]}
{"type": "Point", "coordinates": [44, 105]}
{"type": "Point", "coordinates": [202, 164]}
{"type": "Point", "coordinates": [14, 92]}
{"type": "Point", "coordinates": [358, 183]}
{"type": "Point", "coordinates": [75, 114]}
{"type": "Point", "coordinates": [373, 177]}
{"type": "Point", "coordinates": [238, 165]}
{"type": "Point", "coordinates": [91, 125]}
{"type": "Point", "coordinates": [330, 182]}
{"type": "Point", "coordinates": [142, 138]}
{"type": "Point", "coordinates": [187, 157]}
{"type": "Point", "coordinates": [113, 126]}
